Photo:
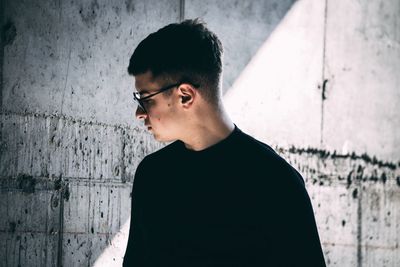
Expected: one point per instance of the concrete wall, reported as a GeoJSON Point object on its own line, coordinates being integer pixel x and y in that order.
{"type": "Point", "coordinates": [318, 85]}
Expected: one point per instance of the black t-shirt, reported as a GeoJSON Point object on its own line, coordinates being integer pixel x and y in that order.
{"type": "Point", "coordinates": [236, 203]}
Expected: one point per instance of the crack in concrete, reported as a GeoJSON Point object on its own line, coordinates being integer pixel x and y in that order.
{"type": "Point", "coordinates": [323, 97]}
{"type": "Point", "coordinates": [181, 10]}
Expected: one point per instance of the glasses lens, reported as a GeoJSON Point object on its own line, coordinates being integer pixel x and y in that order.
{"type": "Point", "coordinates": [136, 98]}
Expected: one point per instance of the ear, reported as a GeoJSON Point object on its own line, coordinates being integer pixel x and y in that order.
{"type": "Point", "coordinates": [187, 94]}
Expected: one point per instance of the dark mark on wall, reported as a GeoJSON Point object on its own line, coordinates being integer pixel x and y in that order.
{"type": "Point", "coordinates": [9, 32]}
{"type": "Point", "coordinates": [89, 15]}
{"type": "Point", "coordinates": [383, 177]}
{"type": "Point", "coordinates": [324, 89]}
{"type": "Point", "coordinates": [360, 172]}
{"type": "Point", "coordinates": [58, 183]}
{"type": "Point", "coordinates": [123, 149]}
{"type": "Point", "coordinates": [349, 180]}
{"type": "Point", "coordinates": [130, 7]}
{"type": "Point", "coordinates": [361, 176]}
{"type": "Point", "coordinates": [26, 183]}
{"type": "Point", "coordinates": [65, 192]}
{"type": "Point", "coordinates": [355, 193]}
{"type": "Point", "coordinates": [13, 226]}
{"type": "Point", "coordinates": [398, 180]}
{"type": "Point", "coordinates": [327, 154]}
{"type": "Point", "coordinates": [54, 201]}
{"type": "Point", "coordinates": [69, 119]}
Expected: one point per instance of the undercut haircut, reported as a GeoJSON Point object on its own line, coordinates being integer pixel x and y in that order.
{"type": "Point", "coordinates": [186, 52]}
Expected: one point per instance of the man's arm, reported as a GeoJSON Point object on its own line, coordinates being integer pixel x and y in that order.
{"type": "Point", "coordinates": [135, 251]}
{"type": "Point", "coordinates": [296, 236]}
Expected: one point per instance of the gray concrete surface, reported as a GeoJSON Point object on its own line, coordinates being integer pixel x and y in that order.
{"type": "Point", "coordinates": [315, 79]}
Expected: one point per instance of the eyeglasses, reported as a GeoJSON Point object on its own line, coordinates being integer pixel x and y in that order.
{"type": "Point", "coordinates": [141, 100]}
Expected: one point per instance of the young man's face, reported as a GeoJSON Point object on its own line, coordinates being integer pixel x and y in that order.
{"type": "Point", "coordinates": [161, 116]}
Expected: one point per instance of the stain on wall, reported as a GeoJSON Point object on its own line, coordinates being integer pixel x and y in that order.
{"type": "Point", "coordinates": [9, 33]}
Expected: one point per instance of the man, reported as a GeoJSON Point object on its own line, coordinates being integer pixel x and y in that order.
{"type": "Point", "coordinates": [215, 196]}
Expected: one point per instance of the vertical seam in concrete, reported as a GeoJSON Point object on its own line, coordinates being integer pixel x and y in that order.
{"type": "Point", "coordinates": [181, 10]}
{"type": "Point", "coordinates": [359, 226]}
{"type": "Point", "coordinates": [323, 72]}
{"type": "Point", "coordinates": [48, 232]}
{"type": "Point", "coordinates": [8, 216]}
{"type": "Point", "coordinates": [90, 233]}
{"type": "Point", "coordinates": [61, 230]}
{"type": "Point", "coordinates": [2, 20]}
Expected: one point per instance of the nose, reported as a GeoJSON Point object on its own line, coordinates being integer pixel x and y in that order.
{"type": "Point", "coordinates": [140, 113]}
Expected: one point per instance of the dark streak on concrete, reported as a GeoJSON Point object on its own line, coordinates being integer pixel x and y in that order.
{"type": "Point", "coordinates": [323, 154]}
{"type": "Point", "coordinates": [359, 229]}
{"type": "Point", "coordinates": [398, 180]}
{"type": "Point", "coordinates": [130, 7]}
{"type": "Point", "coordinates": [123, 167]}
{"type": "Point", "coordinates": [1, 54]}
{"type": "Point", "coordinates": [60, 234]}
{"type": "Point", "coordinates": [62, 187]}
{"type": "Point", "coordinates": [355, 193]}
{"type": "Point", "coordinates": [58, 183]}
{"type": "Point", "coordinates": [70, 119]}
{"type": "Point", "coordinates": [65, 192]}
{"type": "Point", "coordinates": [13, 226]}
{"type": "Point", "coordinates": [8, 32]}
{"type": "Point", "coordinates": [324, 89]}
{"type": "Point", "coordinates": [349, 180]}
{"type": "Point", "coordinates": [26, 183]}
{"type": "Point", "coordinates": [181, 10]}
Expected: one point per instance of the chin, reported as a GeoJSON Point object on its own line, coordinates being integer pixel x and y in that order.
{"type": "Point", "coordinates": [163, 139]}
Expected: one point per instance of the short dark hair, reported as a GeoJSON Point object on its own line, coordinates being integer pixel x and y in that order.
{"type": "Point", "coordinates": [182, 52]}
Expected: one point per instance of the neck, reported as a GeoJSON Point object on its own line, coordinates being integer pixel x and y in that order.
{"type": "Point", "coordinates": [208, 128]}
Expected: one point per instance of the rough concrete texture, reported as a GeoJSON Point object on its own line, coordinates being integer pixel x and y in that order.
{"type": "Point", "coordinates": [355, 202]}
{"type": "Point", "coordinates": [70, 58]}
{"type": "Point", "coordinates": [362, 66]}
{"type": "Point", "coordinates": [318, 85]}
{"type": "Point", "coordinates": [65, 188]}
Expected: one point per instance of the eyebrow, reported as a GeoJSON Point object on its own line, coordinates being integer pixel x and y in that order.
{"type": "Point", "coordinates": [145, 91]}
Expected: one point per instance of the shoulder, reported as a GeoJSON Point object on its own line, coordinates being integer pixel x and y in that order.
{"type": "Point", "coordinates": [255, 148]}
{"type": "Point", "coordinates": [162, 155]}
{"type": "Point", "coordinates": [265, 158]}
{"type": "Point", "coordinates": [157, 162]}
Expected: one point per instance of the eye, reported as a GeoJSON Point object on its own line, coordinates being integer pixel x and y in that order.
{"type": "Point", "coordinates": [147, 102]}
